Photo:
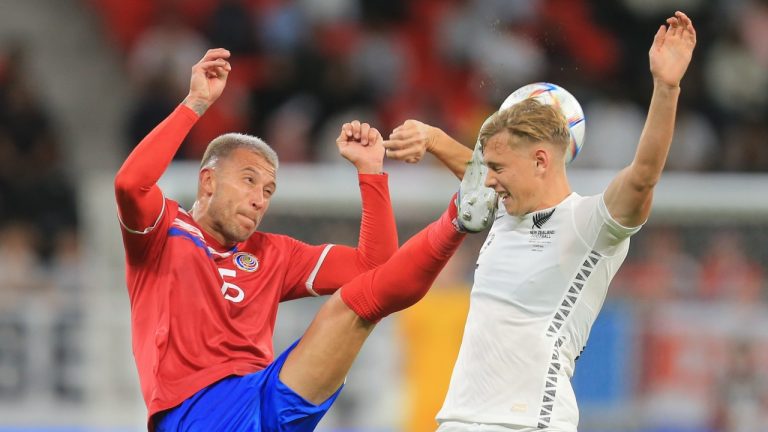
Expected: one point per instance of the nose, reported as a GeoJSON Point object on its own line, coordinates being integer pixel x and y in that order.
{"type": "Point", "coordinates": [257, 199]}
{"type": "Point", "coordinates": [490, 180]}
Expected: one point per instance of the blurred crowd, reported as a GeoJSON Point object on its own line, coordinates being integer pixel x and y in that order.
{"type": "Point", "coordinates": [302, 67]}
{"type": "Point", "coordinates": [670, 263]}
{"type": "Point", "coordinates": [36, 197]}
{"type": "Point", "coordinates": [40, 265]}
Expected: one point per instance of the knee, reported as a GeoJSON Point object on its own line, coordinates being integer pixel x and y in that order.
{"type": "Point", "coordinates": [336, 309]}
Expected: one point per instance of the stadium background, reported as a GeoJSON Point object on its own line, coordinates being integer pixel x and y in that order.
{"type": "Point", "coordinates": [680, 344]}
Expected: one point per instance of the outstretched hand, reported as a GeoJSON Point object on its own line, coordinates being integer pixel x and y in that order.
{"type": "Point", "coordinates": [209, 77]}
{"type": "Point", "coordinates": [409, 141]}
{"type": "Point", "coordinates": [672, 49]}
{"type": "Point", "coordinates": [361, 144]}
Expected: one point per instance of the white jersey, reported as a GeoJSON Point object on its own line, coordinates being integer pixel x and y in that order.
{"type": "Point", "coordinates": [539, 284]}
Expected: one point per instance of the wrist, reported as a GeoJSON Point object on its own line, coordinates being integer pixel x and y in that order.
{"type": "Point", "coordinates": [199, 106]}
{"type": "Point", "coordinates": [433, 134]}
{"type": "Point", "coordinates": [665, 86]}
{"type": "Point", "coordinates": [370, 168]}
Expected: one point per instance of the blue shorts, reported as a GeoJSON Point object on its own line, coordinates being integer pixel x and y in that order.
{"type": "Point", "coordinates": [257, 402]}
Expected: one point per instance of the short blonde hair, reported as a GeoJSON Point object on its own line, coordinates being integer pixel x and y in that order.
{"type": "Point", "coordinates": [220, 147]}
{"type": "Point", "coordinates": [531, 121]}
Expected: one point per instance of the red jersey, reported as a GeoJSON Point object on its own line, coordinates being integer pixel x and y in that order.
{"type": "Point", "coordinates": [200, 311]}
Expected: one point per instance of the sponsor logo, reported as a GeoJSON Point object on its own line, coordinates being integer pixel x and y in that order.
{"type": "Point", "coordinates": [246, 262]}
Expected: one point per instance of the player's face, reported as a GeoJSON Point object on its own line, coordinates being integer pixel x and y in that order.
{"type": "Point", "coordinates": [511, 173]}
{"type": "Point", "coordinates": [244, 184]}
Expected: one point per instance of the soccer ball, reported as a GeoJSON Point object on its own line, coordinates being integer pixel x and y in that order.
{"type": "Point", "coordinates": [557, 96]}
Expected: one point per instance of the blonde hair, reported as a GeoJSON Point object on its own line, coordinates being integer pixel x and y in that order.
{"type": "Point", "coordinates": [220, 147]}
{"type": "Point", "coordinates": [529, 121]}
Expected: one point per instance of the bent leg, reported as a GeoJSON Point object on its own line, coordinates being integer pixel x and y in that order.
{"type": "Point", "coordinates": [318, 365]}
{"type": "Point", "coordinates": [409, 273]}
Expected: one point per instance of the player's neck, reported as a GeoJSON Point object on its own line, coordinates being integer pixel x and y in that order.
{"type": "Point", "coordinates": [557, 189]}
{"type": "Point", "coordinates": [203, 219]}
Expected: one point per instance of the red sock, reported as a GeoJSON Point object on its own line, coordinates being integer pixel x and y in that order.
{"type": "Point", "coordinates": [409, 273]}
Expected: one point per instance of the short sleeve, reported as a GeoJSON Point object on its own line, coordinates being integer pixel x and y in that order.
{"type": "Point", "coordinates": [616, 229]}
{"type": "Point", "coordinates": [597, 228]}
{"type": "Point", "coordinates": [141, 246]}
{"type": "Point", "coordinates": [303, 265]}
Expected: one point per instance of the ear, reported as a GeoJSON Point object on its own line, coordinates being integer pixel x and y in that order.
{"type": "Point", "coordinates": [542, 158]}
{"type": "Point", "coordinates": [206, 182]}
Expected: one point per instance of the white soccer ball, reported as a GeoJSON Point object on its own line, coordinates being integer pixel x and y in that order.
{"type": "Point", "coordinates": [552, 94]}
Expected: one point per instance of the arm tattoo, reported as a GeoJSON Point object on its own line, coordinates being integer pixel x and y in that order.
{"type": "Point", "coordinates": [196, 105]}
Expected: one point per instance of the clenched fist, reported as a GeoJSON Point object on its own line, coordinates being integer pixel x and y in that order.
{"type": "Point", "coordinates": [361, 144]}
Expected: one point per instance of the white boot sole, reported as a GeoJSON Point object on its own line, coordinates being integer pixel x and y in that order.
{"type": "Point", "coordinates": [477, 204]}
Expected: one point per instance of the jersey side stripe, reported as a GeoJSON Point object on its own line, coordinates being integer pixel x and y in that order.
{"type": "Point", "coordinates": [570, 298]}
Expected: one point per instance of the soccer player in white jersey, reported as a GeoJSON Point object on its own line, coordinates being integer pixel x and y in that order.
{"type": "Point", "coordinates": [545, 267]}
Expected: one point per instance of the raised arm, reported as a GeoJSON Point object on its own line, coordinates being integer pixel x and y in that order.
{"type": "Point", "coordinates": [630, 194]}
{"type": "Point", "coordinates": [139, 199]}
{"type": "Point", "coordinates": [362, 146]}
{"type": "Point", "coordinates": [409, 141]}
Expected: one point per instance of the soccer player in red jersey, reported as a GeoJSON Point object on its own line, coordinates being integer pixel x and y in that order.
{"type": "Point", "coordinates": [204, 284]}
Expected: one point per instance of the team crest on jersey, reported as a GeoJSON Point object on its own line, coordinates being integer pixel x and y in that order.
{"type": "Point", "coordinates": [245, 261]}
{"type": "Point", "coordinates": [540, 237]}
{"type": "Point", "coordinates": [540, 218]}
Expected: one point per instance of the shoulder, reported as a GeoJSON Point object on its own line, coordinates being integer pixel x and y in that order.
{"type": "Point", "coordinates": [593, 221]}
{"type": "Point", "coordinates": [583, 206]}
{"type": "Point", "coordinates": [174, 209]}
{"type": "Point", "coordinates": [577, 200]}
{"type": "Point", "coordinates": [271, 241]}
{"type": "Point", "coordinates": [169, 213]}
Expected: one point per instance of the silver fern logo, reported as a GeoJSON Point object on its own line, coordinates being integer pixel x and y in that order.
{"type": "Point", "coordinates": [540, 218]}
